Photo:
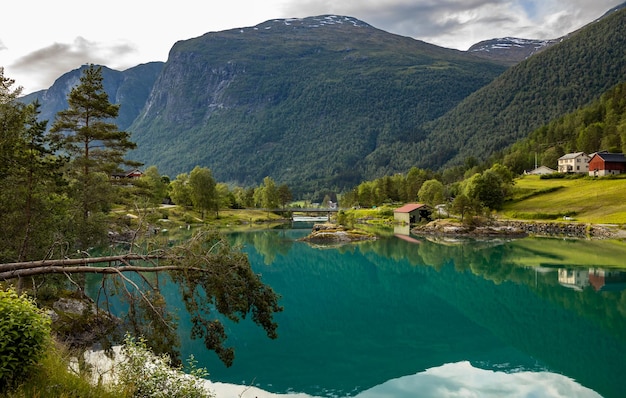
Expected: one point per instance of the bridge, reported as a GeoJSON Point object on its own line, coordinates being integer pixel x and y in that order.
{"type": "Point", "coordinates": [311, 213]}
{"type": "Point", "coordinates": [304, 210]}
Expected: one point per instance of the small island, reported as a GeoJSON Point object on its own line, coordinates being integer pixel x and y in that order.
{"type": "Point", "coordinates": [329, 233]}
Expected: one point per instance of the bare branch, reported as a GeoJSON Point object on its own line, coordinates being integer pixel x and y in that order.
{"type": "Point", "coordinates": [143, 296]}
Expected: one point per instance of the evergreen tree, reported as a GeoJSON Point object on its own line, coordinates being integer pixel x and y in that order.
{"type": "Point", "coordinates": [31, 201]}
{"type": "Point", "coordinates": [96, 148]}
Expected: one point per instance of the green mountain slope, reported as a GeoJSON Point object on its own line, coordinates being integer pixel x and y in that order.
{"type": "Point", "coordinates": [548, 85]}
{"type": "Point", "coordinates": [598, 126]}
{"type": "Point", "coordinates": [308, 102]}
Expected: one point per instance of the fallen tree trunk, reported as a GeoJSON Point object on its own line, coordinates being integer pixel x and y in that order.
{"type": "Point", "coordinates": [85, 265]}
{"type": "Point", "coordinates": [77, 261]}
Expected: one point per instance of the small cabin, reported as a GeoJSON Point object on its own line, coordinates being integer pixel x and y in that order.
{"type": "Point", "coordinates": [412, 213]}
{"type": "Point", "coordinates": [128, 174]}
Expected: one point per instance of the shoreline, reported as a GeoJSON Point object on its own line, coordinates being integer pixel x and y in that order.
{"type": "Point", "coordinates": [520, 229]}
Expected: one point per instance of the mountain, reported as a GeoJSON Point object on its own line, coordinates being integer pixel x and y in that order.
{"type": "Point", "coordinates": [129, 88]}
{"type": "Point", "coordinates": [554, 82]}
{"type": "Point", "coordinates": [510, 50]}
{"type": "Point", "coordinates": [305, 101]}
{"type": "Point", "coordinates": [327, 102]}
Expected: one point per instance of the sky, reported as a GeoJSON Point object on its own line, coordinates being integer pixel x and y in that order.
{"type": "Point", "coordinates": [40, 40]}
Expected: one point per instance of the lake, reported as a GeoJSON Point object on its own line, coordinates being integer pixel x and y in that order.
{"type": "Point", "coordinates": [405, 316]}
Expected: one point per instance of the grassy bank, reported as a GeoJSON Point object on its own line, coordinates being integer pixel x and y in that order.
{"type": "Point", "coordinates": [53, 379]}
{"type": "Point", "coordinates": [596, 201]}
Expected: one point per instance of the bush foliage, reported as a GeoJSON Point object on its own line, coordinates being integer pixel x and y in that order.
{"type": "Point", "coordinates": [25, 332]}
{"type": "Point", "coordinates": [144, 374]}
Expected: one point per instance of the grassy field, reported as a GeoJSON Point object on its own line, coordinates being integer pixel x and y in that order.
{"type": "Point", "coordinates": [597, 201]}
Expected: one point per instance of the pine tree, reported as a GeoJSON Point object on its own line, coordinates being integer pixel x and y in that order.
{"type": "Point", "coordinates": [31, 201]}
{"type": "Point", "coordinates": [96, 148]}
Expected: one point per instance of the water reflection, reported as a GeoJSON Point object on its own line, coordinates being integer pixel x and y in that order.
{"type": "Point", "coordinates": [360, 316]}
{"type": "Point", "coordinates": [600, 279]}
{"type": "Point", "coordinates": [459, 379]}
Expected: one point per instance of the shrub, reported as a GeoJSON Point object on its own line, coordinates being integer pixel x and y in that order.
{"type": "Point", "coordinates": [25, 332]}
{"type": "Point", "coordinates": [144, 374]}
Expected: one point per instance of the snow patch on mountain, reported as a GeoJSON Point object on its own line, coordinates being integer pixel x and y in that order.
{"type": "Point", "coordinates": [506, 43]}
{"type": "Point", "coordinates": [309, 22]}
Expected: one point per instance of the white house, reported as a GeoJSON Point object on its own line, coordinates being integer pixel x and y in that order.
{"type": "Point", "coordinates": [577, 162]}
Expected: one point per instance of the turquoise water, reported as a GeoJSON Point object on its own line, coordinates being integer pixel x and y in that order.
{"type": "Point", "coordinates": [399, 318]}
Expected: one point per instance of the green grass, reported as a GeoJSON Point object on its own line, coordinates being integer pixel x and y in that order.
{"type": "Point", "coordinates": [597, 201]}
{"type": "Point", "coordinates": [52, 379]}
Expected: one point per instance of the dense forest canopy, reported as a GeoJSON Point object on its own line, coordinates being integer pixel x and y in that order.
{"type": "Point", "coordinates": [600, 126]}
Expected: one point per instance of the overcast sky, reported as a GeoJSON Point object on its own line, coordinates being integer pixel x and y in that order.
{"type": "Point", "coordinates": [42, 39]}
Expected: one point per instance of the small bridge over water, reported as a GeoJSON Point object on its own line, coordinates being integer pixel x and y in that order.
{"type": "Point", "coordinates": [308, 213]}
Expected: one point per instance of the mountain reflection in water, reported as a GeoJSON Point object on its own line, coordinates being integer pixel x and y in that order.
{"type": "Point", "coordinates": [398, 318]}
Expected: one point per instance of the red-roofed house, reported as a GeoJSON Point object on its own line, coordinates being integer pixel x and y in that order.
{"type": "Point", "coordinates": [128, 174]}
{"type": "Point", "coordinates": [412, 213]}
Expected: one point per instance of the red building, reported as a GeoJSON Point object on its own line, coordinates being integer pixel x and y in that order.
{"type": "Point", "coordinates": [605, 163]}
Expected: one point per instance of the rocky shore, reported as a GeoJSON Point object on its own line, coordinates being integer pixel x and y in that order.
{"type": "Point", "coordinates": [517, 229]}
{"type": "Point", "coordinates": [334, 233]}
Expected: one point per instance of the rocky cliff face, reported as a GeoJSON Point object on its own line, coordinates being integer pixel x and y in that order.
{"type": "Point", "coordinates": [129, 88]}
{"type": "Point", "coordinates": [305, 101]}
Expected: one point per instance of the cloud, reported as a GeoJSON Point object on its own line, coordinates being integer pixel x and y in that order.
{"type": "Point", "coordinates": [47, 64]}
{"type": "Point", "coordinates": [461, 23]}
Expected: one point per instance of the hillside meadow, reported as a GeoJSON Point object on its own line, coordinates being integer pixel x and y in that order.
{"type": "Point", "coordinates": [589, 200]}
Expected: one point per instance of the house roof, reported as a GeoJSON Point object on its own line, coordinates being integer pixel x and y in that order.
{"type": "Point", "coordinates": [410, 207]}
{"type": "Point", "coordinates": [127, 173]}
{"type": "Point", "coordinates": [612, 157]}
{"type": "Point", "coordinates": [573, 155]}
